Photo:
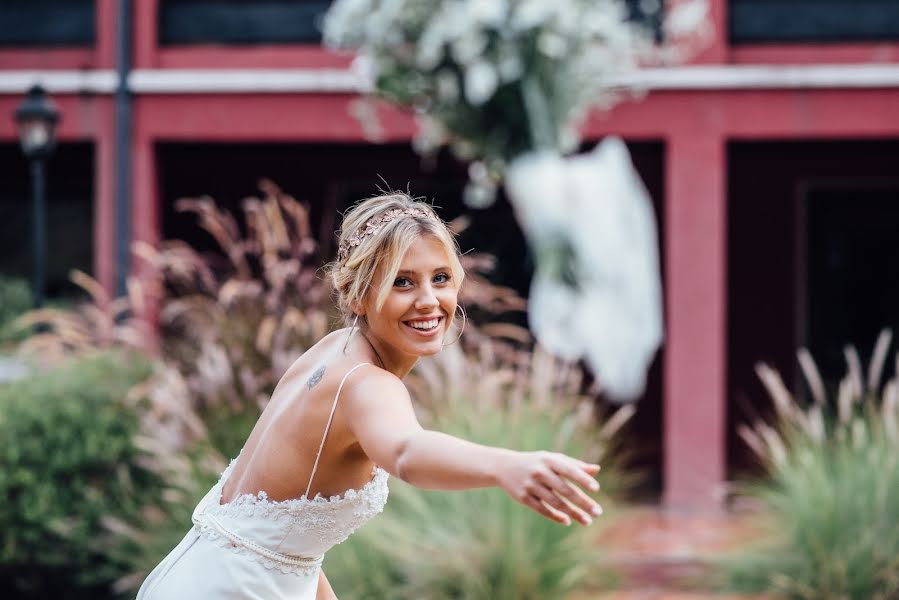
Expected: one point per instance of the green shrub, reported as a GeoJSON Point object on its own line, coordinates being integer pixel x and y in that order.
{"type": "Point", "coordinates": [480, 544]}
{"type": "Point", "coordinates": [15, 300]}
{"type": "Point", "coordinates": [832, 492]}
{"type": "Point", "coordinates": [67, 460]}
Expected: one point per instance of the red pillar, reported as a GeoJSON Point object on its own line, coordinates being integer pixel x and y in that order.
{"type": "Point", "coordinates": [105, 22]}
{"type": "Point", "coordinates": [145, 220]}
{"type": "Point", "coordinates": [145, 46]}
{"type": "Point", "coordinates": [695, 354]}
{"type": "Point", "coordinates": [104, 198]}
{"type": "Point", "coordinates": [144, 209]}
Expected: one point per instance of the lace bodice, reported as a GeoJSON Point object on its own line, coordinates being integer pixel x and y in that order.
{"type": "Point", "coordinates": [301, 527]}
{"type": "Point", "coordinates": [290, 535]}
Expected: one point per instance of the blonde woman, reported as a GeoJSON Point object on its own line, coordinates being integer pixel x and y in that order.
{"type": "Point", "coordinates": [316, 464]}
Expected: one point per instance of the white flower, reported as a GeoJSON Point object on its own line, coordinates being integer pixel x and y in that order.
{"type": "Point", "coordinates": [363, 68]}
{"type": "Point", "coordinates": [468, 47]}
{"type": "Point", "coordinates": [340, 27]}
{"type": "Point", "coordinates": [430, 48]}
{"type": "Point", "coordinates": [480, 82]}
{"type": "Point", "coordinates": [552, 44]}
{"type": "Point", "coordinates": [430, 136]}
{"type": "Point", "coordinates": [491, 13]}
{"type": "Point", "coordinates": [508, 62]}
{"type": "Point", "coordinates": [686, 17]}
{"type": "Point", "coordinates": [447, 86]}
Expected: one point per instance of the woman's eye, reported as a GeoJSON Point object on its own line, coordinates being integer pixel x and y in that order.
{"type": "Point", "coordinates": [402, 282]}
{"type": "Point", "coordinates": [441, 278]}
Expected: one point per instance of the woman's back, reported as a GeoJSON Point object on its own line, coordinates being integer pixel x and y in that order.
{"type": "Point", "coordinates": [280, 453]}
{"type": "Point", "coordinates": [263, 529]}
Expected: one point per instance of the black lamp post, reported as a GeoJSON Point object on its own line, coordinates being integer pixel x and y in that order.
{"type": "Point", "coordinates": [36, 117]}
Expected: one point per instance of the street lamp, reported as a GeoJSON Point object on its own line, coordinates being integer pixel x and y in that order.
{"type": "Point", "coordinates": [36, 118]}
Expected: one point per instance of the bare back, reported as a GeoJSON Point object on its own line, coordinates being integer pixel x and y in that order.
{"type": "Point", "coordinates": [279, 455]}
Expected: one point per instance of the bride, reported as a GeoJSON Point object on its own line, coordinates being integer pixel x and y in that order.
{"type": "Point", "coordinates": [315, 466]}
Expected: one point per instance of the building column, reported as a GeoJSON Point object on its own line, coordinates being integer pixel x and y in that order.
{"type": "Point", "coordinates": [145, 221]}
{"type": "Point", "coordinates": [696, 304]}
{"type": "Point", "coordinates": [104, 265]}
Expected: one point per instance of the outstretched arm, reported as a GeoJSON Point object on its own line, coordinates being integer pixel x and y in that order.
{"type": "Point", "coordinates": [389, 433]}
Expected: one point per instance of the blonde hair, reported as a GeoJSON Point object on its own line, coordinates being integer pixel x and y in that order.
{"type": "Point", "coordinates": [352, 275]}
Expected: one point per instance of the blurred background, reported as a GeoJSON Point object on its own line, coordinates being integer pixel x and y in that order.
{"type": "Point", "coordinates": [772, 159]}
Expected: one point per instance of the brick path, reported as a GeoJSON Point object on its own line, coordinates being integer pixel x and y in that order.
{"type": "Point", "coordinates": [665, 556]}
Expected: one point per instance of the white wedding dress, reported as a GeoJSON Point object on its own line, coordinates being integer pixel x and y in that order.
{"type": "Point", "coordinates": [253, 547]}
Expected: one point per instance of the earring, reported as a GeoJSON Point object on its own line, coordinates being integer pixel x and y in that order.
{"type": "Point", "coordinates": [464, 321]}
{"type": "Point", "coordinates": [352, 330]}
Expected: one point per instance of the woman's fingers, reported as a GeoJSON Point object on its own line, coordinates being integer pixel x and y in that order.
{"type": "Point", "coordinates": [550, 513]}
{"type": "Point", "coordinates": [556, 502]}
{"type": "Point", "coordinates": [567, 481]}
{"type": "Point", "coordinates": [590, 468]}
{"type": "Point", "coordinates": [576, 475]}
{"type": "Point", "coordinates": [571, 493]}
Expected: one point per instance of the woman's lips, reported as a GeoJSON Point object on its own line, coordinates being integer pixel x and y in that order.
{"type": "Point", "coordinates": [431, 331]}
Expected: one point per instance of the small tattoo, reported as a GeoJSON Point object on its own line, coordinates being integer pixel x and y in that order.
{"type": "Point", "coordinates": [315, 378]}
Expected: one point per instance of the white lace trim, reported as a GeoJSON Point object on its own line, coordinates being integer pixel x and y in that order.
{"type": "Point", "coordinates": [327, 520]}
{"type": "Point", "coordinates": [261, 498]}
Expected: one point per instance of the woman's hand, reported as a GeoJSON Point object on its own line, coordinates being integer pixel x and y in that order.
{"type": "Point", "coordinates": [551, 484]}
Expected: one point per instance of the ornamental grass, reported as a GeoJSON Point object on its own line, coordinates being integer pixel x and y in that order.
{"type": "Point", "coordinates": [227, 326]}
{"type": "Point", "coordinates": [480, 544]}
{"type": "Point", "coordinates": [832, 488]}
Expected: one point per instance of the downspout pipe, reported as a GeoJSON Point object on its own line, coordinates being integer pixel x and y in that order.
{"type": "Point", "coordinates": [123, 146]}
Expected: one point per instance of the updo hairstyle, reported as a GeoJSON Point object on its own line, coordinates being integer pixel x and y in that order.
{"type": "Point", "coordinates": [352, 274]}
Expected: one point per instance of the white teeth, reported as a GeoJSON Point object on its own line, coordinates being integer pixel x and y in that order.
{"type": "Point", "coordinates": [424, 324]}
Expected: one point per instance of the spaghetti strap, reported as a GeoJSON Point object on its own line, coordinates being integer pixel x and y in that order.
{"type": "Point", "coordinates": [328, 426]}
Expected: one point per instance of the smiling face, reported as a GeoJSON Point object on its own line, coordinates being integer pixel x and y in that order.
{"type": "Point", "coordinates": [419, 307]}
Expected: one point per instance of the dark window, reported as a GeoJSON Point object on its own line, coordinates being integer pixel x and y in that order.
{"type": "Point", "coordinates": [852, 291]}
{"type": "Point", "coordinates": [812, 261]}
{"type": "Point", "coordinates": [240, 21]}
{"type": "Point", "coordinates": [47, 23]}
{"type": "Point", "coordinates": [813, 20]}
{"type": "Point", "coordinates": [285, 22]}
{"type": "Point", "coordinates": [70, 214]}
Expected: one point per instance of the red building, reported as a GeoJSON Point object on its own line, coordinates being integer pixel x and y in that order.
{"type": "Point", "coordinates": [773, 159]}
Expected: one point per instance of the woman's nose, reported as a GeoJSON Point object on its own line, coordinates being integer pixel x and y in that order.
{"type": "Point", "coordinates": [426, 298]}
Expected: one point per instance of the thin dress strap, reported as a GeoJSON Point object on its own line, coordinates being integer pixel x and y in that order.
{"type": "Point", "coordinates": [328, 426]}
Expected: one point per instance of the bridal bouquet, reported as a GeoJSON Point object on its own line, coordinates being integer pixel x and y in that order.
{"type": "Point", "coordinates": [505, 84]}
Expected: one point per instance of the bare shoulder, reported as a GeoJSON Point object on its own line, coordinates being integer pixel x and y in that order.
{"type": "Point", "coordinates": [371, 384]}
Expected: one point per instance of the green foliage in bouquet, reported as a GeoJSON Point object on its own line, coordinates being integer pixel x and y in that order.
{"type": "Point", "coordinates": [832, 491]}
{"type": "Point", "coordinates": [67, 461]}
{"type": "Point", "coordinates": [480, 544]}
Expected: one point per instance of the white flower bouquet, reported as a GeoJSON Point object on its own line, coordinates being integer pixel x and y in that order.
{"type": "Point", "coordinates": [494, 79]}
{"type": "Point", "coordinates": [504, 84]}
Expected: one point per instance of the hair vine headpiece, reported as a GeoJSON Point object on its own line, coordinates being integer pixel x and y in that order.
{"type": "Point", "coordinates": [376, 223]}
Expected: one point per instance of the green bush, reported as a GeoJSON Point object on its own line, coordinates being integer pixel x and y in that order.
{"type": "Point", "coordinates": [15, 300]}
{"type": "Point", "coordinates": [832, 491]}
{"type": "Point", "coordinates": [480, 544]}
{"type": "Point", "coordinates": [67, 460]}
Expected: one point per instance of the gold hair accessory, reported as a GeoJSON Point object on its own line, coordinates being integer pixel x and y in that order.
{"type": "Point", "coordinates": [376, 223]}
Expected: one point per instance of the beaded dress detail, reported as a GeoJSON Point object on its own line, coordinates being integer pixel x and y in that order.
{"type": "Point", "coordinates": [254, 547]}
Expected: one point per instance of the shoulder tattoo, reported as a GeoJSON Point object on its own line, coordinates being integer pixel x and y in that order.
{"type": "Point", "coordinates": [315, 378]}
